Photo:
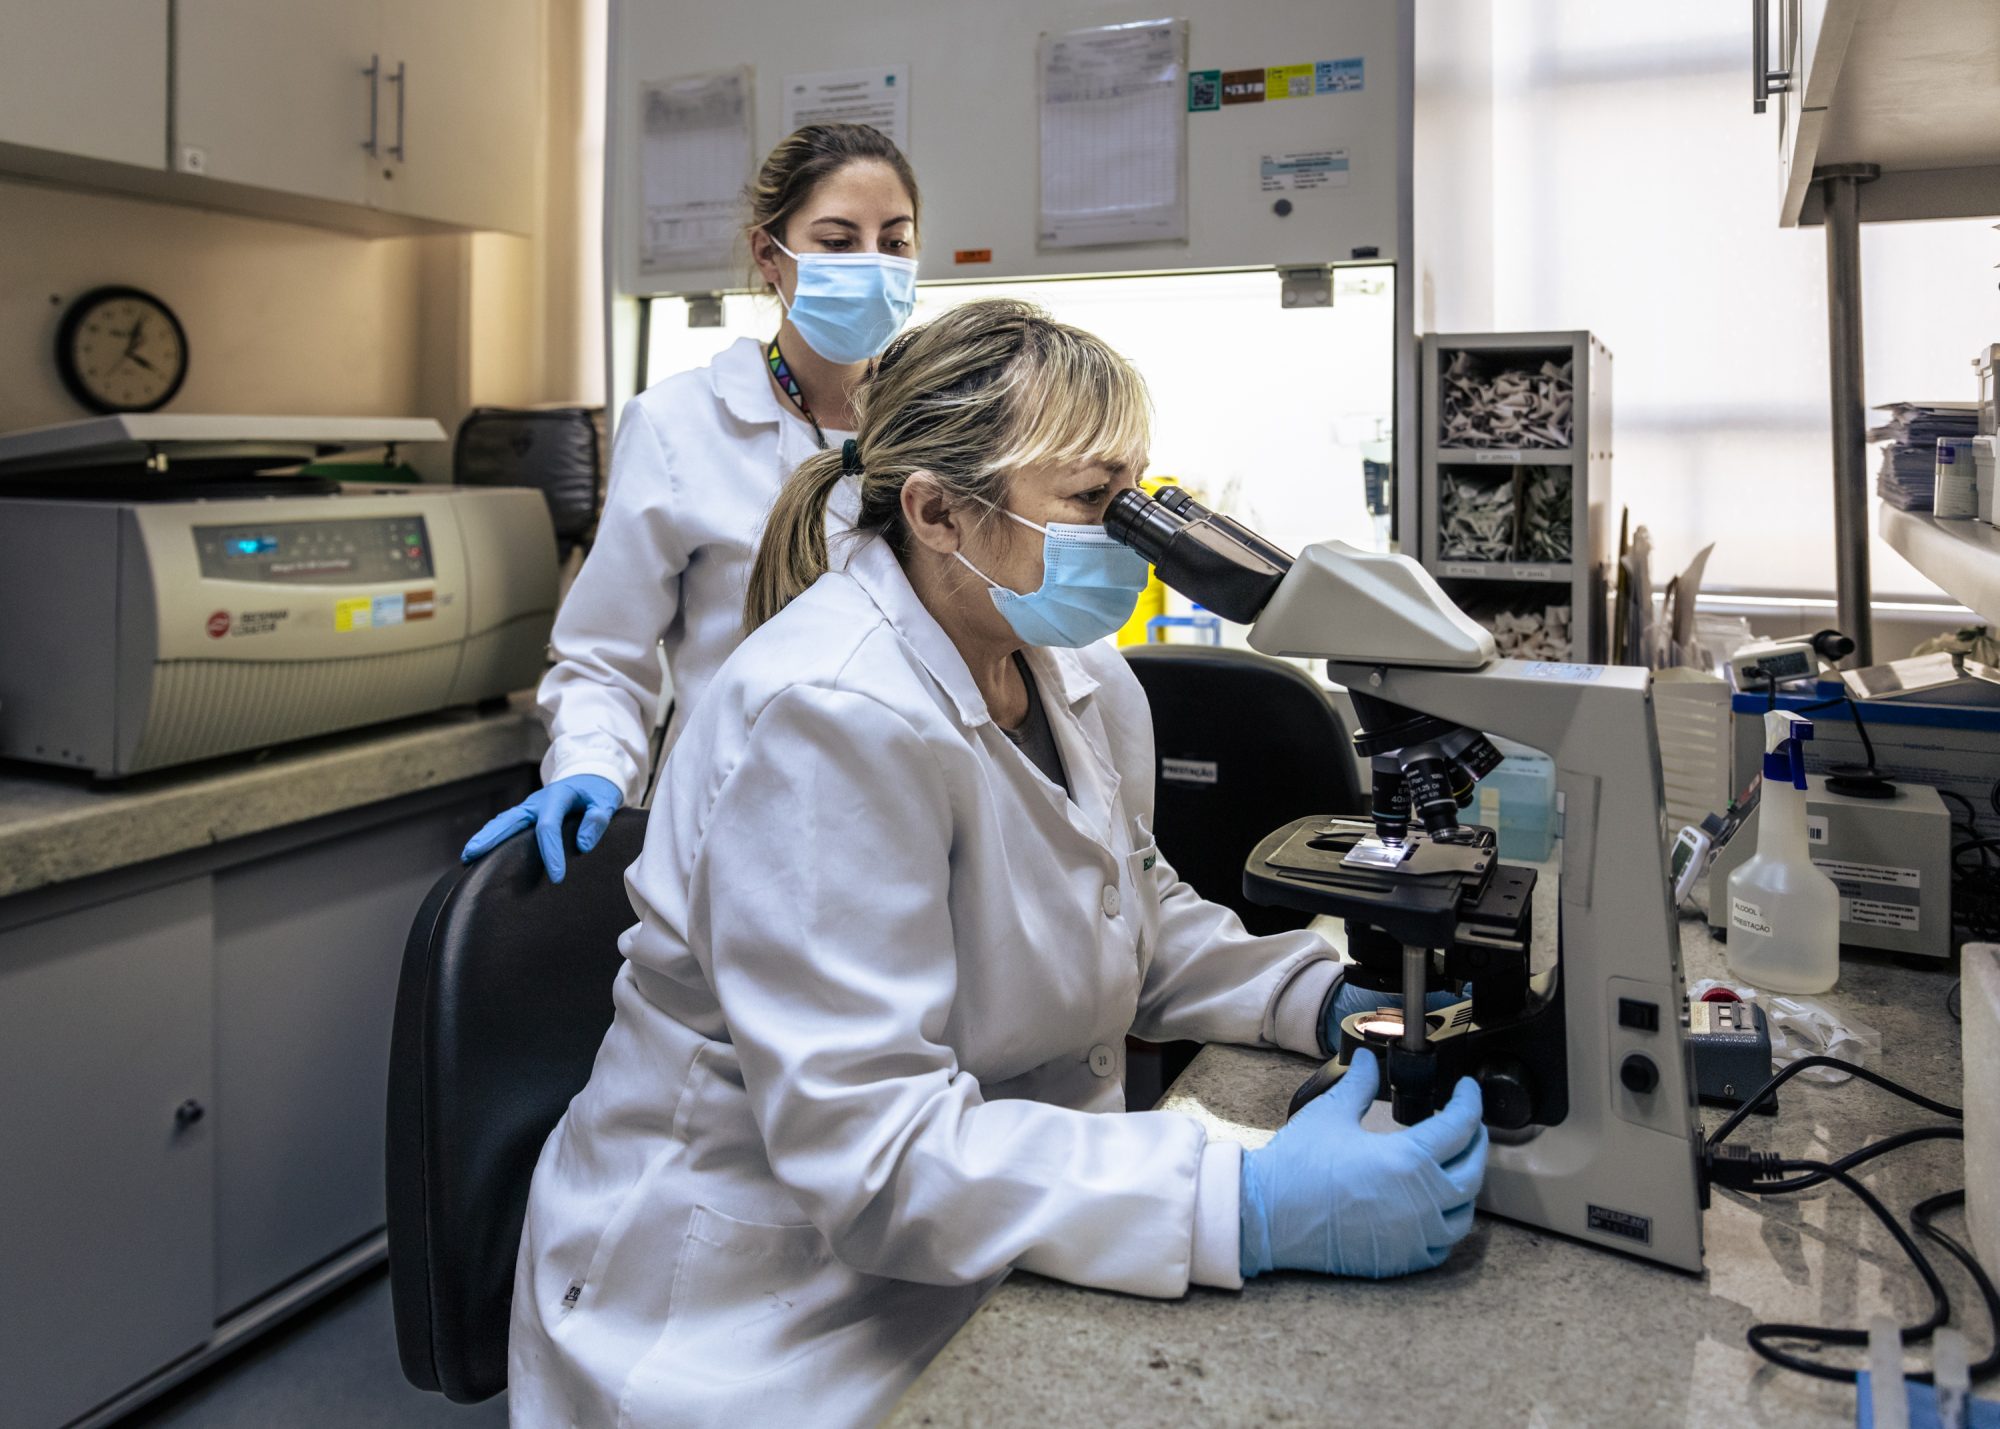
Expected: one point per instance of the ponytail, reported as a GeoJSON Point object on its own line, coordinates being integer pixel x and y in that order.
{"type": "Point", "coordinates": [792, 554]}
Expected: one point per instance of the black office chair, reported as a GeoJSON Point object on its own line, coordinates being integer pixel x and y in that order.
{"type": "Point", "coordinates": [504, 997]}
{"type": "Point", "coordinates": [1245, 743]}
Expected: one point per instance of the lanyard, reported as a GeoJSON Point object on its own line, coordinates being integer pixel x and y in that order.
{"type": "Point", "coordinates": [784, 377]}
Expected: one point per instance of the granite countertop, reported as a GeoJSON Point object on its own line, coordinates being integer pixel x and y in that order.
{"type": "Point", "coordinates": [1520, 1327]}
{"type": "Point", "coordinates": [57, 825]}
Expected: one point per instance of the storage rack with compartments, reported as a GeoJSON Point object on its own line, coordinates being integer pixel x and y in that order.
{"type": "Point", "coordinates": [1515, 485]}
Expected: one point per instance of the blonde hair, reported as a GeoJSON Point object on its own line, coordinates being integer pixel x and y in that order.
{"type": "Point", "coordinates": [803, 160]}
{"type": "Point", "coordinates": [971, 397]}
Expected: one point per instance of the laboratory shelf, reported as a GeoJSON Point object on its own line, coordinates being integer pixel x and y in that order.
{"type": "Point", "coordinates": [1558, 573]}
{"type": "Point", "coordinates": [1519, 548]}
{"type": "Point", "coordinates": [1961, 557]}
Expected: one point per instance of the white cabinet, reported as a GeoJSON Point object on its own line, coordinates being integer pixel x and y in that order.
{"type": "Point", "coordinates": [85, 77]}
{"type": "Point", "coordinates": [1907, 88]}
{"type": "Point", "coordinates": [106, 1181]}
{"type": "Point", "coordinates": [274, 93]}
{"type": "Point", "coordinates": [463, 111]}
{"type": "Point", "coordinates": [193, 1063]}
{"type": "Point", "coordinates": [427, 109]}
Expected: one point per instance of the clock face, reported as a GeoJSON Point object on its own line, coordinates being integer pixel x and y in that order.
{"type": "Point", "coordinates": [121, 350]}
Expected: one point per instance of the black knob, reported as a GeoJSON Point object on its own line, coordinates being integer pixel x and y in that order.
{"type": "Point", "coordinates": [1639, 1074]}
{"type": "Point", "coordinates": [189, 1112]}
{"type": "Point", "coordinates": [1503, 1088]}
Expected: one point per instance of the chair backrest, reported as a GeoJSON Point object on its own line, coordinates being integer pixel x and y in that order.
{"type": "Point", "coordinates": [504, 997]}
{"type": "Point", "coordinates": [1245, 743]}
{"type": "Point", "coordinates": [556, 450]}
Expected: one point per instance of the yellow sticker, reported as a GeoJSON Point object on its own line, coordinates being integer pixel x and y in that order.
{"type": "Point", "coordinates": [1288, 82]}
{"type": "Point", "coordinates": [353, 614]}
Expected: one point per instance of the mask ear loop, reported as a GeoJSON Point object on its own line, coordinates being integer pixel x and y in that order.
{"type": "Point", "coordinates": [779, 288]}
{"type": "Point", "coordinates": [1003, 511]}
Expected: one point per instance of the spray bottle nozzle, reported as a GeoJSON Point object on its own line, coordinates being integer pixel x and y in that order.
{"type": "Point", "coordinates": [1784, 732]}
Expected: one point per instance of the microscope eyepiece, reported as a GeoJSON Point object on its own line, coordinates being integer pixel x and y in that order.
{"type": "Point", "coordinates": [1210, 559]}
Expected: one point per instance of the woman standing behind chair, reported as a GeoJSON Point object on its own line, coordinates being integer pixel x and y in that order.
{"type": "Point", "coordinates": [899, 906]}
{"type": "Point", "coordinates": [699, 459]}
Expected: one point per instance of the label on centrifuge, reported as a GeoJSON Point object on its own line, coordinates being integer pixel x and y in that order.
{"type": "Point", "coordinates": [1749, 917]}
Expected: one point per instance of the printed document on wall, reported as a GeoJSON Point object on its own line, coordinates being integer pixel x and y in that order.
{"type": "Point", "coordinates": [1114, 134]}
{"type": "Point", "coordinates": [695, 159]}
{"type": "Point", "coordinates": [876, 97]}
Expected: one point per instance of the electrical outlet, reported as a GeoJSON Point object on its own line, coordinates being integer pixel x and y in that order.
{"type": "Point", "coordinates": [194, 160]}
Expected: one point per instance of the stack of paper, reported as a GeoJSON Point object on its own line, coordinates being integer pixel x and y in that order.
{"type": "Point", "coordinates": [1908, 476]}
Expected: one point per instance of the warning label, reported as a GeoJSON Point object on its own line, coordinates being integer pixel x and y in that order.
{"type": "Point", "coordinates": [1842, 872]}
{"type": "Point", "coordinates": [1873, 913]}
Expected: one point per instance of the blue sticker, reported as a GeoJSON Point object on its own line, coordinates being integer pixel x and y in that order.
{"type": "Point", "coordinates": [387, 610]}
{"type": "Point", "coordinates": [1337, 76]}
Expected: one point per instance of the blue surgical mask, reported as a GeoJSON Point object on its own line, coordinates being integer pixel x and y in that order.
{"type": "Point", "coordinates": [1090, 584]}
{"type": "Point", "coordinates": [848, 305]}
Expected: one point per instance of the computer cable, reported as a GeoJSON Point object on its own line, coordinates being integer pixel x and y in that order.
{"type": "Point", "coordinates": [1975, 880]}
{"type": "Point", "coordinates": [1768, 1174]}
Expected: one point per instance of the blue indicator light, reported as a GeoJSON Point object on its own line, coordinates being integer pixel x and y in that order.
{"type": "Point", "coordinates": [254, 545]}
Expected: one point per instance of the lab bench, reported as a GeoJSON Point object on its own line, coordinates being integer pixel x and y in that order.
{"type": "Point", "coordinates": [1520, 1326]}
{"type": "Point", "coordinates": [197, 980]}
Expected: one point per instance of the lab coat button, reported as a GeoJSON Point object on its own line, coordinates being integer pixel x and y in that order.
{"type": "Point", "coordinates": [1110, 900]}
{"type": "Point", "coordinates": [1103, 1060]}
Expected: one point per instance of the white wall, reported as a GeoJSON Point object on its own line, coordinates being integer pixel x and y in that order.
{"type": "Point", "coordinates": [1452, 186]}
{"type": "Point", "coordinates": [279, 318]}
{"type": "Point", "coordinates": [1635, 194]}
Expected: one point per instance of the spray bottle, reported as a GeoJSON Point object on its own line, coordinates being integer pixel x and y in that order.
{"type": "Point", "coordinates": [1784, 914]}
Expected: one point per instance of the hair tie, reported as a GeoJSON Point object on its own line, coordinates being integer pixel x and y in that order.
{"type": "Point", "coordinates": [850, 457]}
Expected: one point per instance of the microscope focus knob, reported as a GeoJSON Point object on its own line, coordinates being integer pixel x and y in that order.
{"type": "Point", "coordinates": [1639, 1074]}
{"type": "Point", "coordinates": [1504, 1089]}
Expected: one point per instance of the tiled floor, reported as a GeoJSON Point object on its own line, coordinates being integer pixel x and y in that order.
{"type": "Point", "coordinates": [334, 1367]}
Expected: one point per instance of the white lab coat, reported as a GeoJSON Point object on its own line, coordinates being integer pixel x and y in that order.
{"type": "Point", "coordinates": [870, 1036]}
{"type": "Point", "coordinates": [698, 460]}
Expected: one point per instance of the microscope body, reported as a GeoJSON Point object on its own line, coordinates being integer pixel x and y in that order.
{"type": "Point", "coordinates": [1573, 1031]}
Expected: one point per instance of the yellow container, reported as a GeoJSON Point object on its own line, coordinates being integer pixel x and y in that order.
{"type": "Point", "coordinates": [1153, 599]}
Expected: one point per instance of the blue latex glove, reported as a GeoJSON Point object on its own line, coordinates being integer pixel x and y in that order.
{"type": "Point", "coordinates": [1326, 1195]}
{"type": "Point", "coordinates": [1348, 999]}
{"type": "Point", "coordinates": [546, 809]}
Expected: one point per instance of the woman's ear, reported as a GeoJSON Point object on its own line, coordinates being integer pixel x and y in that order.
{"type": "Point", "coordinates": [928, 514]}
{"type": "Point", "coordinates": [764, 253]}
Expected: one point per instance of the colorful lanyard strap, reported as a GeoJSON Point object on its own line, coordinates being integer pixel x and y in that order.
{"type": "Point", "coordinates": [784, 377]}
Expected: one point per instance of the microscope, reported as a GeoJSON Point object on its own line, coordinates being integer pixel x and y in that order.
{"type": "Point", "coordinates": [1574, 1033]}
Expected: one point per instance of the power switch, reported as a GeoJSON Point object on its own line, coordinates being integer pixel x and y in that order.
{"type": "Point", "coordinates": [1639, 1014]}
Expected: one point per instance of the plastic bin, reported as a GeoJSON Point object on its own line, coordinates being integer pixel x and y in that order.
{"type": "Point", "coordinates": [1518, 802]}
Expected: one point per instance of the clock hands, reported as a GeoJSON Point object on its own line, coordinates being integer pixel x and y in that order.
{"type": "Point", "coordinates": [132, 340]}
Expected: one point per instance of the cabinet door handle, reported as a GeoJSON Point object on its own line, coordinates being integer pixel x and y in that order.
{"type": "Point", "coordinates": [371, 146]}
{"type": "Point", "coordinates": [189, 1112]}
{"type": "Point", "coordinates": [402, 85]}
{"type": "Point", "coordinates": [1764, 81]}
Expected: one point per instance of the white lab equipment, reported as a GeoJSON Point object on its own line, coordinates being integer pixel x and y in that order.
{"type": "Point", "coordinates": [1583, 1064]}
{"type": "Point", "coordinates": [159, 616]}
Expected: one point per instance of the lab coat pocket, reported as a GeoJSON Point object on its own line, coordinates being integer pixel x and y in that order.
{"type": "Point", "coordinates": [747, 1299]}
